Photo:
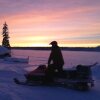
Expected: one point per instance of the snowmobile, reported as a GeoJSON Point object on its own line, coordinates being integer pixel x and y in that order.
{"type": "Point", "coordinates": [79, 78]}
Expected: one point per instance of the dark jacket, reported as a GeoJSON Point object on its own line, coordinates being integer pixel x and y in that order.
{"type": "Point", "coordinates": [56, 56]}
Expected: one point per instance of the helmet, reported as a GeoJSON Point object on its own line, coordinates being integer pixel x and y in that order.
{"type": "Point", "coordinates": [53, 43]}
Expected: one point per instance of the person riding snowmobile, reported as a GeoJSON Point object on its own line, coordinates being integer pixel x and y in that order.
{"type": "Point", "coordinates": [56, 58]}
{"type": "Point", "coordinates": [55, 61]}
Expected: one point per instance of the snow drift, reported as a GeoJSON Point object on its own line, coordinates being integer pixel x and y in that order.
{"type": "Point", "coordinates": [4, 52]}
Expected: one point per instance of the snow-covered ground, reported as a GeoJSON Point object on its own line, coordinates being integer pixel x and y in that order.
{"type": "Point", "coordinates": [9, 70]}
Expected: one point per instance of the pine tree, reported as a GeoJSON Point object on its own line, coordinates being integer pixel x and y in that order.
{"type": "Point", "coordinates": [5, 33]}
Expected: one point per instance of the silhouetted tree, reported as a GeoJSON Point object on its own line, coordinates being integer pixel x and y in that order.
{"type": "Point", "coordinates": [5, 33]}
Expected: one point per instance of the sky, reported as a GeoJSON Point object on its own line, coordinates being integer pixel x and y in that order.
{"type": "Point", "coordinates": [72, 23]}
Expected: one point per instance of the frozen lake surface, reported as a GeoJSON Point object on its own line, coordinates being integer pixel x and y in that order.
{"type": "Point", "coordinates": [71, 58]}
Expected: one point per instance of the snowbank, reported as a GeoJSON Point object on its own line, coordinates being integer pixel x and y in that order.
{"type": "Point", "coordinates": [3, 50]}
{"type": "Point", "coordinates": [19, 60]}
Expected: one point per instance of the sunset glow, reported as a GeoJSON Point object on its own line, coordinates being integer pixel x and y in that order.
{"type": "Point", "coordinates": [73, 23]}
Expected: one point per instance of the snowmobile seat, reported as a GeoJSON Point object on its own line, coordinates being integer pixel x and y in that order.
{"type": "Point", "coordinates": [83, 71]}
